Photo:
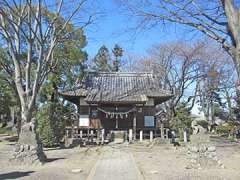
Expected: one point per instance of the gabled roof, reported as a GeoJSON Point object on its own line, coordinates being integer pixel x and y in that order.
{"type": "Point", "coordinates": [106, 87]}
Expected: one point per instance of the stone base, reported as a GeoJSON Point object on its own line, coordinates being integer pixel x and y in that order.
{"type": "Point", "coordinates": [28, 150]}
{"type": "Point", "coordinates": [160, 141]}
{"type": "Point", "coordinates": [118, 136]}
{"type": "Point", "coordinates": [27, 155]}
{"type": "Point", "coordinates": [202, 157]}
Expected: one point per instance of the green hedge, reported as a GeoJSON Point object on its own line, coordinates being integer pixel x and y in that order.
{"type": "Point", "coordinates": [203, 123]}
{"type": "Point", "coordinates": [51, 124]}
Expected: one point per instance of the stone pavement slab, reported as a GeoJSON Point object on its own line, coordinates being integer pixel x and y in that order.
{"type": "Point", "coordinates": [115, 164]}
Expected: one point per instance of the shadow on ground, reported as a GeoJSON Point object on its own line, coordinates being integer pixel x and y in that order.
{"type": "Point", "coordinates": [15, 175]}
{"type": "Point", "coordinates": [11, 139]}
{"type": "Point", "coordinates": [52, 159]}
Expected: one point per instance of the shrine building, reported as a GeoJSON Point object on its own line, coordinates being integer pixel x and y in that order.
{"type": "Point", "coordinates": [117, 101]}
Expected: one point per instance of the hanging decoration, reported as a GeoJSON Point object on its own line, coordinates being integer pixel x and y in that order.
{"type": "Point", "coordinates": [116, 114]}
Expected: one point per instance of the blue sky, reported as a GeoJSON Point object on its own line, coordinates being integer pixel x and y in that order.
{"type": "Point", "coordinates": [113, 28]}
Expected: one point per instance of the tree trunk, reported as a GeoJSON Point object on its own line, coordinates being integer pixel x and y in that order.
{"type": "Point", "coordinates": [236, 57]}
{"type": "Point", "coordinates": [28, 149]}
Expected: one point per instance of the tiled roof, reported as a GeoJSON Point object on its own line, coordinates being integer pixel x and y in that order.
{"type": "Point", "coordinates": [119, 87]}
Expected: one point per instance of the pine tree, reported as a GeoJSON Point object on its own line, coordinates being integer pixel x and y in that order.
{"type": "Point", "coordinates": [102, 59]}
{"type": "Point", "coordinates": [117, 52]}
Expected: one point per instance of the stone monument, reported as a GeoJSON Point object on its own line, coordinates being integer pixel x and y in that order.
{"type": "Point", "coordinates": [202, 154]}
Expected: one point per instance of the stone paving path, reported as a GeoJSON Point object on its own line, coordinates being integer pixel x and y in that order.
{"type": "Point", "coordinates": [115, 164]}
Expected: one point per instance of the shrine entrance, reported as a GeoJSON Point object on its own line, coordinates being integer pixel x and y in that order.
{"type": "Point", "coordinates": [116, 118]}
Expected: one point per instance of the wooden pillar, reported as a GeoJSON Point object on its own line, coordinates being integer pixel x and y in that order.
{"type": "Point", "coordinates": [141, 136]}
{"type": "Point", "coordinates": [134, 126]}
{"type": "Point", "coordinates": [130, 135]}
{"type": "Point", "coordinates": [162, 130]}
{"type": "Point", "coordinates": [151, 136]}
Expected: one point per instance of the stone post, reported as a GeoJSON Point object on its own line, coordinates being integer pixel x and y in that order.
{"type": "Point", "coordinates": [81, 134]}
{"type": "Point", "coordinates": [117, 123]}
{"type": "Point", "coordinates": [141, 136]}
{"type": "Point", "coordinates": [185, 136]}
{"type": "Point", "coordinates": [91, 135]}
{"type": "Point", "coordinates": [167, 130]}
{"type": "Point", "coordinates": [99, 136]}
{"type": "Point", "coordinates": [134, 126]}
{"type": "Point", "coordinates": [162, 130]}
{"type": "Point", "coordinates": [151, 136]}
{"type": "Point", "coordinates": [103, 134]}
{"type": "Point", "coordinates": [130, 136]}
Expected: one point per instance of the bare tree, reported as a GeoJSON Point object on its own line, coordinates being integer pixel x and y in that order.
{"type": "Point", "coordinates": [30, 30]}
{"type": "Point", "coordinates": [195, 73]}
{"type": "Point", "coordinates": [217, 19]}
{"type": "Point", "coordinates": [217, 85]}
{"type": "Point", "coordinates": [175, 65]}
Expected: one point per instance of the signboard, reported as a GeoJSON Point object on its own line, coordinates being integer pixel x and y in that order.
{"type": "Point", "coordinates": [149, 121]}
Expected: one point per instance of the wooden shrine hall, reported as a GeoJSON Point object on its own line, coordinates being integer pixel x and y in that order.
{"type": "Point", "coordinates": [117, 101]}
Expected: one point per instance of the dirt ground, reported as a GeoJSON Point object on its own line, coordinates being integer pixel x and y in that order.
{"type": "Point", "coordinates": [161, 162]}
{"type": "Point", "coordinates": [59, 166]}
{"type": "Point", "coordinates": [168, 163]}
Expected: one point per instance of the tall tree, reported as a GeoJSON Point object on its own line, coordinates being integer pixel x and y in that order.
{"type": "Point", "coordinates": [118, 53]}
{"type": "Point", "coordinates": [102, 59]}
{"type": "Point", "coordinates": [71, 65]}
{"type": "Point", "coordinates": [217, 19]}
{"type": "Point", "coordinates": [31, 31]}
